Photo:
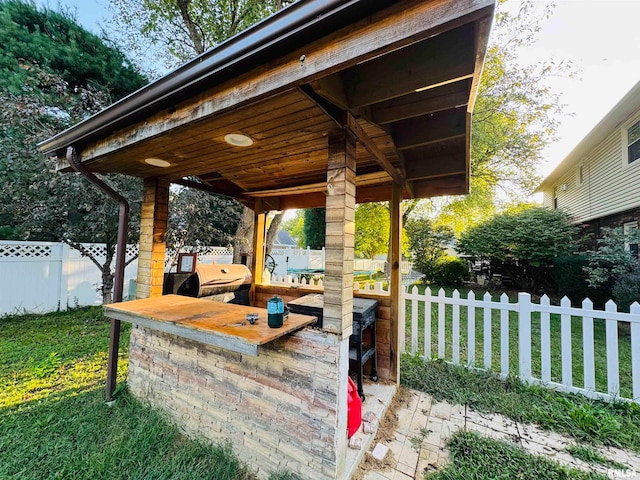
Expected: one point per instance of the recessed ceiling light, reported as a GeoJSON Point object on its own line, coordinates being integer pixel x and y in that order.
{"type": "Point", "coordinates": [157, 162]}
{"type": "Point", "coordinates": [238, 140]}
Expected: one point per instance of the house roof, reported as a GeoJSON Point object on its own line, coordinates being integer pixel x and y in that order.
{"type": "Point", "coordinates": [617, 116]}
{"type": "Point", "coordinates": [284, 238]}
{"type": "Point", "coordinates": [400, 75]}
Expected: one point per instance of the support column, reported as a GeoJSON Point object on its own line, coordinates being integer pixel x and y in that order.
{"type": "Point", "coordinates": [395, 287]}
{"type": "Point", "coordinates": [153, 234]}
{"type": "Point", "coordinates": [257, 259]}
{"type": "Point", "coordinates": [340, 232]}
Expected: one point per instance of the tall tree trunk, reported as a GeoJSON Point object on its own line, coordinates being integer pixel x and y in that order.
{"type": "Point", "coordinates": [272, 233]}
{"type": "Point", "coordinates": [107, 275]}
{"type": "Point", "coordinates": [243, 241]}
{"type": "Point", "coordinates": [192, 27]}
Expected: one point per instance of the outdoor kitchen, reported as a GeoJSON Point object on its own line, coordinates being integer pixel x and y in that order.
{"type": "Point", "coordinates": [324, 104]}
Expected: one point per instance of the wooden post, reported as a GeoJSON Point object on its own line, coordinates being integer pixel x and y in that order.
{"type": "Point", "coordinates": [153, 233]}
{"type": "Point", "coordinates": [340, 232]}
{"type": "Point", "coordinates": [257, 260]}
{"type": "Point", "coordinates": [395, 288]}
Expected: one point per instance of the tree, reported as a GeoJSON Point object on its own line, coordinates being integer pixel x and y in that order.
{"type": "Point", "coordinates": [51, 77]}
{"type": "Point", "coordinates": [314, 227]}
{"type": "Point", "coordinates": [427, 243]}
{"type": "Point", "coordinates": [521, 244]}
{"type": "Point", "coordinates": [197, 218]}
{"type": "Point", "coordinates": [372, 229]}
{"type": "Point", "coordinates": [515, 116]}
{"type": "Point", "coordinates": [295, 227]}
{"type": "Point", "coordinates": [178, 30]}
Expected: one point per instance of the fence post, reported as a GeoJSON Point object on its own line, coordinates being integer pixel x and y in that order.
{"type": "Point", "coordinates": [487, 335]}
{"type": "Point", "coordinates": [588, 356]}
{"type": "Point", "coordinates": [545, 341]}
{"type": "Point", "coordinates": [441, 322]}
{"type": "Point", "coordinates": [427, 323]}
{"type": "Point", "coordinates": [635, 351]}
{"type": "Point", "coordinates": [471, 329]}
{"type": "Point", "coordinates": [524, 336]}
{"type": "Point", "coordinates": [455, 327]}
{"type": "Point", "coordinates": [63, 281]}
{"type": "Point", "coordinates": [613, 377]}
{"type": "Point", "coordinates": [565, 343]}
{"type": "Point", "coordinates": [504, 336]}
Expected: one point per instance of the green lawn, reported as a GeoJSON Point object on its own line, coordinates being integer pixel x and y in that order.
{"type": "Point", "coordinates": [54, 423]}
{"type": "Point", "coordinates": [591, 421]}
{"type": "Point", "coordinates": [624, 343]}
{"type": "Point", "coordinates": [474, 457]}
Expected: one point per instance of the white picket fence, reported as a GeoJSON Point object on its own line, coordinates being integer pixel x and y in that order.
{"type": "Point", "coordinates": [454, 325]}
{"type": "Point", "coordinates": [39, 277]}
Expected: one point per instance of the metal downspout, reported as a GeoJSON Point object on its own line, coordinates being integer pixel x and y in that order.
{"type": "Point", "coordinates": [121, 249]}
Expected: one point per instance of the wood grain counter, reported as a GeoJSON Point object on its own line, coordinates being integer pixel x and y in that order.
{"type": "Point", "coordinates": [223, 325]}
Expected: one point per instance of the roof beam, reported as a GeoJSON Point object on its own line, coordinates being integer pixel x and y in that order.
{"type": "Point", "coordinates": [429, 101]}
{"type": "Point", "coordinates": [373, 149]}
{"type": "Point", "coordinates": [418, 67]}
{"type": "Point", "coordinates": [206, 187]}
{"type": "Point", "coordinates": [435, 167]}
{"type": "Point", "coordinates": [430, 129]}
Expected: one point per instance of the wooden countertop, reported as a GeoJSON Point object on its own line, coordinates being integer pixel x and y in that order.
{"type": "Point", "coordinates": [220, 324]}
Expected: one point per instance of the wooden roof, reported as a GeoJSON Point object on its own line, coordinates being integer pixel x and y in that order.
{"type": "Point", "coordinates": [402, 78]}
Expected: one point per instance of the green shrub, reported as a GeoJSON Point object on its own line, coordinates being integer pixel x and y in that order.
{"type": "Point", "coordinates": [570, 280]}
{"type": "Point", "coordinates": [626, 289]}
{"type": "Point", "coordinates": [449, 272]}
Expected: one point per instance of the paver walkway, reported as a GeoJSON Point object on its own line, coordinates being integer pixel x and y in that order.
{"type": "Point", "coordinates": [425, 426]}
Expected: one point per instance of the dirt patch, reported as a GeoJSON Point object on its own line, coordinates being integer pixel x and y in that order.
{"type": "Point", "coordinates": [385, 434]}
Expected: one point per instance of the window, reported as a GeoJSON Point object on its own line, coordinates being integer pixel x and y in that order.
{"type": "Point", "coordinates": [633, 142]}
{"type": "Point", "coordinates": [555, 198]}
{"type": "Point", "coordinates": [631, 247]}
{"type": "Point", "coordinates": [581, 175]}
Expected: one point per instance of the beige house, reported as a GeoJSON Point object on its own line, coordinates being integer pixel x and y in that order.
{"type": "Point", "coordinates": [598, 183]}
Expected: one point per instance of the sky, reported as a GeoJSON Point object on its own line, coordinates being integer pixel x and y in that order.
{"type": "Point", "coordinates": [601, 37]}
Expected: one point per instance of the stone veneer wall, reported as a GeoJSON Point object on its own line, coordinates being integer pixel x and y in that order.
{"type": "Point", "coordinates": [279, 410]}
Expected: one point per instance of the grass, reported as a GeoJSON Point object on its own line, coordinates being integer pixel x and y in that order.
{"type": "Point", "coordinates": [591, 455]}
{"type": "Point", "coordinates": [592, 421]}
{"type": "Point", "coordinates": [54, 423]}
{"type": "Point", "coordinates": [477, 458]}
{"type": "Point", "coordinates": [624, 344]}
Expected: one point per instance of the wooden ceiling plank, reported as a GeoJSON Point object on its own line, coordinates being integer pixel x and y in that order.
{"type": "Point", "coordinates": [383, 32]}
{"type": "Point", "coordinates": [372, 148]}
{"type": "Point", "coordinates": [415, 67]}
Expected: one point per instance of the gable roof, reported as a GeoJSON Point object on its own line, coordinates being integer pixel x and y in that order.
{"type": "Point", "coordinates": [399, 75]}
{"type": "Point", "coordinates": [616, 117]}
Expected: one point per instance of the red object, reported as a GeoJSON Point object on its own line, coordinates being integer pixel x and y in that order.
{"type": "Point", "coordinates": [354, 409]}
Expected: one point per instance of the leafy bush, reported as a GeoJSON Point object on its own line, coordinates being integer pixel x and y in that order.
{"type": "Point", "coordinates": [611, 258]}
{"type": "Point", "coordinates": [626, 289]}
{"type": "Point", "coordinates": [570, 280]}
{"type": "Point", "coordinates": [449, 272]}
{"type": "Point", "coordinates": [427, 244]}
{"type": "Point", "coordinates": [522, 244]}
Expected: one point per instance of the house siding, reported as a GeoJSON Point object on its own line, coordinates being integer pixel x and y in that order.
{"type": "Point", "coordinates": [608, 186]}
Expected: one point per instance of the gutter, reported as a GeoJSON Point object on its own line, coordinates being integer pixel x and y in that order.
{"type": "Point", "coordinates": [291, 27]}
{"type": "Point", "coordinates": [121, 249]}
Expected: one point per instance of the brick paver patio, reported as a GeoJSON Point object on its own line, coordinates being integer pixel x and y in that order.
{"type": "Point", "coordinates": [425, 426]}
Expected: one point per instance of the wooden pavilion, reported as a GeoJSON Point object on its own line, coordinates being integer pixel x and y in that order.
{"type": "Point", "coordinates": [326, 103]}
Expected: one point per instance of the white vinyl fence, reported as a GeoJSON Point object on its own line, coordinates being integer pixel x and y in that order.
{"type": "Point", "coordinates": [38, 277]}
{"type": "Point", "coordinates": [291, 259]}
{"type": "Point", "coordinates": [582, 350]}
